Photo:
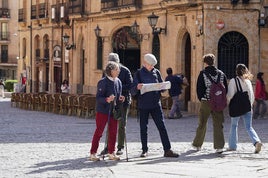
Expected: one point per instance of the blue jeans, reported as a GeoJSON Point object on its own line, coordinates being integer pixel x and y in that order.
{"type": "Point", "coordinates": [175, 108]}
{"type": "Point", "coordinates": [233, 137]}
{"type": "Point", "coordinates": [158, 117]}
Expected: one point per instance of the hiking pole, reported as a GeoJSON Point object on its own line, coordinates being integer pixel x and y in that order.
{"type": "Point", "coordinates": [126, 146]}
{"type": "Point", "coordinates": [107, 129]}
{"type": "Point", "coordinates": [126, 138]}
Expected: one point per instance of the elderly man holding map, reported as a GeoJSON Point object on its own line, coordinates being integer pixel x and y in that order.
{"type": "Point", "coordinates": [149, 83]}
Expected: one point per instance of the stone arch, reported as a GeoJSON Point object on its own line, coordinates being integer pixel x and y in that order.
{"type": "Point", "coordinates": [184, 62]}
{"type": "Point", "coordinates": [127, 45]}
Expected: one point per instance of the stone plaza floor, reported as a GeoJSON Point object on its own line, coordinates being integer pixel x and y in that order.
{"type": "Point", "coordinates": [45, 145]}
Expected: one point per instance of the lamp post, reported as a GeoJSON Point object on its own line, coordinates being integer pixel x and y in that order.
{"type": "Point", "coordinates": [136, 34]}
{"type": "Point", "coordinates": [68, 46]}
{"type": "Point", "coordinates": [97, 31]}
{"type": "Point", "coordinates": [134, 27]}
{"type": "Point", "coordinates": [152, 19]}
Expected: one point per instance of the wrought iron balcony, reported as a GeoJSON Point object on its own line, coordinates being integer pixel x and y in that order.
{"type": "Point", "coordinates": [4, 13]}
{"type": "Point", "coordinates": [76, 7]}
{"type": "Point", "coordinates": [4, 36]}
{"type": "Point", "coordinates": [117, 4]}
{"type": "Point", "coordinates": [33, 12]}
{"type": "Point", "coordinates": [42, 10]}
{"type": "Point", "coordinates": [21, 16]}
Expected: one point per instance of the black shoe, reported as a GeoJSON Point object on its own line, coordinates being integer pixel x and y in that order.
{"type": "Point", "coordinates": [171, 117]}
{"type": "Point", "coordinates": [143, 154]}
{"type": "Point", "coordinates": [171, 154]}
{"type": "Point", "coordinates": [104, 151]}
{"type": "Point", "coordinates": [179, 116]}
{"type": "Point", "coordinates": [119, 152]}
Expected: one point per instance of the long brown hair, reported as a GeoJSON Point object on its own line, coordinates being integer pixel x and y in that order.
{"type": "Point", "coordinates": [242, 71]}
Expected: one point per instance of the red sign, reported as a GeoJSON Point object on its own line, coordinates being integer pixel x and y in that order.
{"type": "Point", "coordinates": [220, 24]}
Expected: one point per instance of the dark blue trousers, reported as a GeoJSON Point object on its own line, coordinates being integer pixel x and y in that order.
{"type": "Point", "coordinates": [158, 117]}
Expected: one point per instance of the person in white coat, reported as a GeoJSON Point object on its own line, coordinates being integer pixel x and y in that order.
{"type": "Point", "coordinates": [244, 76]}
{"type": "Point", "coordinates": [2, 88]}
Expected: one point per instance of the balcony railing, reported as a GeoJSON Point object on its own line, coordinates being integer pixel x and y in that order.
{"type": "Point", "coordinates": [33, 12]}
{"type": "Point", "coordinates": [4, 56]}
{"type": "Point", "coordinates": [56, 12]}
{"type": "Point", "coordinates": [77, 7]}
{"type": "Point", "coordinates": [21, 15]}
{"type": "Point", "coordinates": [115, 4]}
{"type": "Point", "coordinates": [4, 36]}
{"type": "Point", "coordinates": [4, 13]}
{"type": "Point", "coordinates": [42, 10]}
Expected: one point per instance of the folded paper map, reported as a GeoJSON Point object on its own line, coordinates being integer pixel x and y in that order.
{"type": "Point", "coordinates": [155, 87]}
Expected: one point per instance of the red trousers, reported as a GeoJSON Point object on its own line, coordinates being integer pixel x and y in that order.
{"type": "Point", "coordinates": [101, 120]}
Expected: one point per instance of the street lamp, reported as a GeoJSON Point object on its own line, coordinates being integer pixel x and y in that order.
{"type": "Point", "coordinates": [135, 32]}
{"type": "Point", "coordinates": [152, 19]}
{"type": "Point", "coordinates": [65, 39]}
{"type": "Point", "coordinates": [97, 31]}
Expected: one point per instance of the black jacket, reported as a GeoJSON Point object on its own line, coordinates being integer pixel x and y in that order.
{"type": "Point", "coordinates": [203, 83]}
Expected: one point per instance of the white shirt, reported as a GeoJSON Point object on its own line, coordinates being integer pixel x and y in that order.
{"type": "Point", "coordinates": [246, 86]}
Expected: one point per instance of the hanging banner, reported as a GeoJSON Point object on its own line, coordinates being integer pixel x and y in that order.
{"type": "Point", "coordinates": [57, 53]}
{"type": "Point", "coordinates": [66, 56]}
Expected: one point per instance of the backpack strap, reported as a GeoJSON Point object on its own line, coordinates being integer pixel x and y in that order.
{"type": "Point", "coordinates": [238, 86]}
{"type": "Point", "coordinates": [211, 80]}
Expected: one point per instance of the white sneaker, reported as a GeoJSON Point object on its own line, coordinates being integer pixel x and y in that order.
{"type": "Point", "coordinates": [258, 147]}
{"type": "Point", "coordinates": [93, 157]}
{"type": "Point", "coordinates": [113, 157]}
{"type": "Point", "coordinates": [197, 148]}
{"type": "Point", "coordinates": [219, 151]}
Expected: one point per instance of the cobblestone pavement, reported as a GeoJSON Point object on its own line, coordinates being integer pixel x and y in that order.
{"type": "Point", "coordinates": [45, 145]}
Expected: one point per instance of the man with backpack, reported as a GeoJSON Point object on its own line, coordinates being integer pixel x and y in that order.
{"type": "Point", "coordinates": [211, 88]}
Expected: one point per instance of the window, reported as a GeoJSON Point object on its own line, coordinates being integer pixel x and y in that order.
{"type": "Point", "coordinates": [156, 50]}
{"type": "Point", "coordinates": [4, 3]}
{"type": "Point", "coordinates": [4, 30]}
{"type": "Point", "coordinates": [232, 49]}
{"type": "Point", "coordinates": [4, 53]}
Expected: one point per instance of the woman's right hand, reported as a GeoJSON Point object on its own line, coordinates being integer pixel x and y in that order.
{"type": "Point", "coordinates": [110, 98]}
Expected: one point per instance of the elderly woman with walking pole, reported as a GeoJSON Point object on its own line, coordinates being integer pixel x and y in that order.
{"type": "Point", "coordinates": [108, 96]}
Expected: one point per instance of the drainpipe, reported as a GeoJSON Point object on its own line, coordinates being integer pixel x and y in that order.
{"type": "Point", "coordinates": [203, 36]}
{"type": "Point", "coordinates": [31, 53]}
{"type": "Point", "coordinates": [259, 35]}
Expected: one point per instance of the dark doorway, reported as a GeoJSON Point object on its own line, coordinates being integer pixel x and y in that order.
{"type": "Point", "coordinates": [232, 49]}
{"type": "Point", "coordinates": [127, 46]}
{"type": "Point", "coordinates": [36, 87]}
{"type": "Point", "coordinates": [130, 58]}
{"type": "Point", "coordinates": [57, 78]}
{"type": "Point", "coordinates": [187, 68]}
{"type": "Point", "coordinates": [47, 77]}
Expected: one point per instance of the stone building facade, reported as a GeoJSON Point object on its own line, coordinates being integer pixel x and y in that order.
{"type": "Point", "coordinates": [186, 30]}
{"type": "Point", "coordinates": [8, 40]}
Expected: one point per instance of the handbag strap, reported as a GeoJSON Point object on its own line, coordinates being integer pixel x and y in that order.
{"type": "Point", "coordinates": [238, 86]}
